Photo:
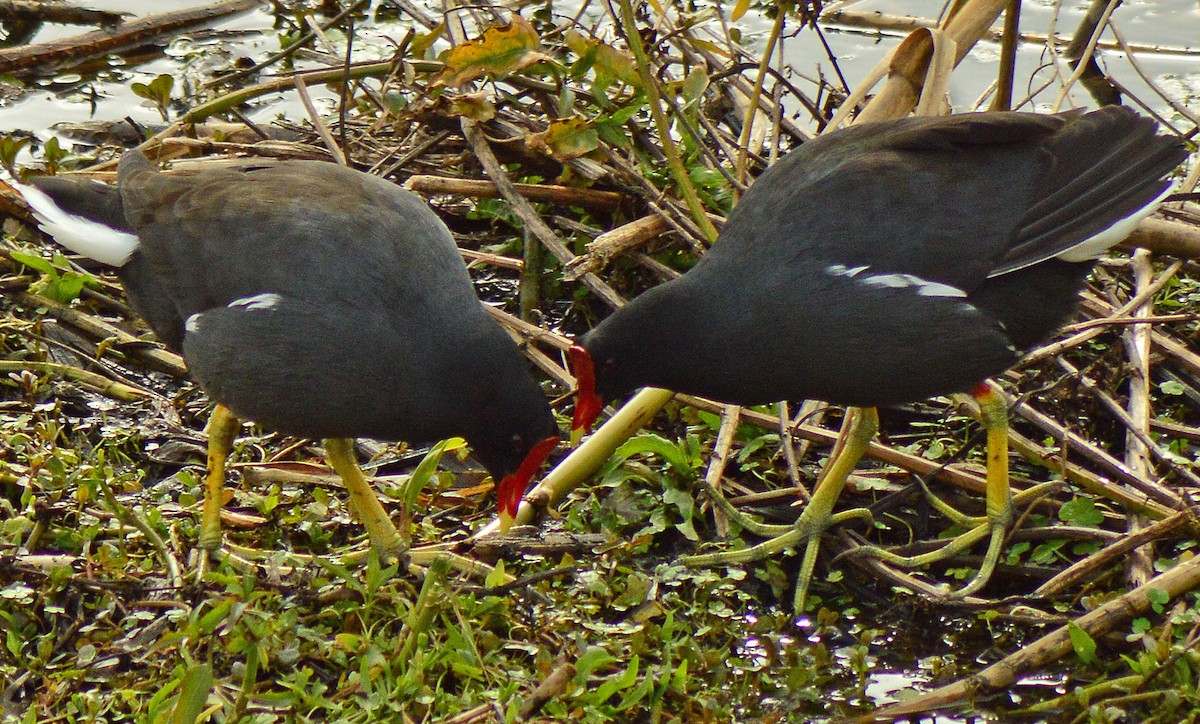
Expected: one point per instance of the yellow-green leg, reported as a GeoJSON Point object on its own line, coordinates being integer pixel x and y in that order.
{"type": "Point", "coordinates": [222, 430]}
{"type": "Point", "coordinates": [384, 536]}
{"type": "Point", "coordinates": [860, 428]}
{"type": "Point", "coordinates": [999, 502]}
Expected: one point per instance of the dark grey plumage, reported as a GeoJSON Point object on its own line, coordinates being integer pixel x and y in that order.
{"type": "Point", "coordinates": [318, 301]}
{"type": "Point", "coordinates": [890, 262]}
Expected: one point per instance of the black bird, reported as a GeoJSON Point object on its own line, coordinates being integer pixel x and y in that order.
{"type": "Point", "coordinates": [883, 264]}
{"type": "Point", "coordinates": [318, 301]}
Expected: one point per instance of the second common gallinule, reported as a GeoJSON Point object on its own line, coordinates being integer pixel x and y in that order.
{"type": "Point", "coordinates": [884, 264]}
{"type": "Point", "coordinates": [318, 301]}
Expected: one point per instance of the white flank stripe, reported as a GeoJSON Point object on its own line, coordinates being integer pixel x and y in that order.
{"type": "Point", "coordinates": [923, 287]}
{"type": "Point", "coordinates": [192, 324]}
{"type": "Point", "coordinates": [266, 300]}
{"type": "Point", "coordinates": [1094, 246]}
{"type": "Point", "coordinates": [82, 236]}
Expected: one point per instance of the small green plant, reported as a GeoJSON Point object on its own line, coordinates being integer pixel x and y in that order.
{"type": "Point", "coordinates": [59, 281]}
{"type": "Point", "coordinates": [10, 147]}
{"type": "Point", "coordinates": [158, 92]}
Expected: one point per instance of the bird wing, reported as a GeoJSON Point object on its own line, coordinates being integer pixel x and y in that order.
{"type": "Point", "coordinates": [955, 199]}
{"type": "Point", "coordinates": [307, 230]}
{"type": "Point", "coordinates": [937, 198]}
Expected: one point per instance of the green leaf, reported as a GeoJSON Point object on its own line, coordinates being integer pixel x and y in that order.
{"type": "Point", "coordinates": [497, 577]}
{"type": "Point", "coordinates": [1084, 645]}
{"type": "Point", "coordinates": [1081, 511]}
{"type": "Point", "coordinates": [193, 693]}
{"type": "Point", "coordinates": [680, 678]}
{"type": "Point", "coordinates": [620, 683]}
{"type": "Point", "coordinates": [592, 659]}
{"type": "Point", "coordinates": [567, 139]}
{"type": "Point", "coordinates": [653, 444]}
{"type": "Point", "coordinates": [426, 468]}
{"type": "Point", "coordinates": [33, 261]}
{"type": "Point", "coordinates": [1171, 387]}
{"type": "Point", "coordinates": [1158, 599]}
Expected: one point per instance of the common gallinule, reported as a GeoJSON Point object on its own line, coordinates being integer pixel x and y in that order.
{"type": "Point", "coordinates": [884, 264]}
{"type": "Point", "coordinates": [318, 301]}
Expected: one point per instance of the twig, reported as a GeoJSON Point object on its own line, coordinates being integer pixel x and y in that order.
{"type": "Point", "coordinates": [1002, 674]}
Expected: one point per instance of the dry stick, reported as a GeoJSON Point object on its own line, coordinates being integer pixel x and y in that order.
{"type": "Point", "coordinates": [322, 130]}
{"type": "Point", "coordinates": [53, 13]}
{"type": "Point", "coordinates": [259, 149]}
{"type": "Point", "coordinates": [551, 687]}
{"type": "Point", "coordinates": [653, 97]}
{"type": "Point", "coordinates": [289, 50]}
{"type": "Point", "coordinates": [1084, 61]}
{"type": "Point", "coordinates": [908, 23]}
{"type": "Point", "coordinates": [527, 214]}
{"type": "Point", "coordinates": [1088, 51]}
{"type": "Point", "coordinates": [98, 43]}
{"type": "Point", "coordinates": [1056, 348]}
{"type": "Point", "coordinates": [99, 383]}
{"type": "Point", "coordinates": [475, 258]}
{"type": "Point", "coordinates": [1136, 427]}
{"type": "Point", "coordinates": [1181, 353]}
{"type": "Point", "coordinates": [547, 193]}
{"type": "Point", "coordinates": [1140, 566]}
{"type": "Point", "coordinates": [1086, 479]}
{"type": "Point", "coordinates": [276, 85]}
{"type": "Point", "coordinates": [525, 332]}
{"type": "Point", "coordinates": [1175, 105]}
{"type": "Point", "coordinates": [613, 243]}
{"type": "Point", "coordinates": [1175, 582]}
{"type": "Point", "coordinates": [160, 358]}
{"type": "Point", "coordinates": [1088, 568]}
{"type": "Point", "coordinates": [717, 461]}
{"type": "Point", "coordinates": [1002, 101]}
{"type": "Point", "coordinates": [697, 52]}
{"type": "Point", "coordinates": [748, 124]}
{"type": "Point", "coordinates": [953, 475]}
{"type": "Point", "coordinates": [908, 68]}
{"type": "Point", "coordinates": [1111, 465]}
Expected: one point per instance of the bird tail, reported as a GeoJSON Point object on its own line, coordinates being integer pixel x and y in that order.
{"type": "Point", "coordinates": [1110, 169]}
{"type": "Point", "coordinates": [83, 216]}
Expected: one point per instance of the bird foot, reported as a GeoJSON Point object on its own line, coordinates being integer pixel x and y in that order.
{"type": "Point", "coordinates": [993, 526]}
{"type": "Point", "coordinates": [807, 530]}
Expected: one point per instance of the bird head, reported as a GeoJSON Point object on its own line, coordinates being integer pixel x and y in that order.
{"type": "Point", "coordinates": [587, 401]}
{"type": "Point", "coordinates": [511, 487]}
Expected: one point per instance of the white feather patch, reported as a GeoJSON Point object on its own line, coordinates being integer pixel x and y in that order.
{"type": "Point", "coordinates": [192, 323]}
{"type": "Point", "coordinates": [82, 236]}
{"type": "Point", "coordinates": [266, 300]}
{"type": "Point", "coordinates": [922, 287]}
{"type": "Point", "coordinates": [1094, 246]}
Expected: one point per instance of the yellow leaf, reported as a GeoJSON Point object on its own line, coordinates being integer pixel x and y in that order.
{"type": "Point", "coordinates": [607, 61]}
{"type": "Point", "coordinates": [501, 50]}
{"type": "Point", "coordinates": [475, 106]}
{"type": "Point", "coordinates": [424, 41]}
{"type": "Point", "coordinates": [740, 8]}
{"type": "Point", "coordinates": [566, 139]}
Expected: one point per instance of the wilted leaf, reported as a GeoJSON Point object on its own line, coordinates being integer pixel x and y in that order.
{"type": "Point", "coordinates": [608, 62]}
{"type": "Point", "coordinates": [694, 84]}
{"type": "Point", "coordinates": [475, 106]}
{"type": "Point", "coordinates": [424, 41]}
{"type": "Point", "coordinates": [502, 49]}
{"type": "Point", "coordinates": [567, 139]}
